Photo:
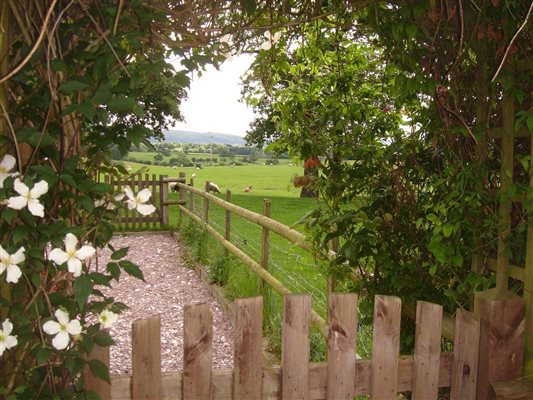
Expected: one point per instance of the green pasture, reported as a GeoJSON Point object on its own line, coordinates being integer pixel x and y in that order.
{"type": "Point", "coordinates": [149, 156]}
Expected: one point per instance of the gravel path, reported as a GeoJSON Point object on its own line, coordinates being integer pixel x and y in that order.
{"type": "Point", "coordinates": [169, 286]}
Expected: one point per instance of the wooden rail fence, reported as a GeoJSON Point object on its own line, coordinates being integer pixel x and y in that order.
{"type": "Point", "coordinates": [342, 377]}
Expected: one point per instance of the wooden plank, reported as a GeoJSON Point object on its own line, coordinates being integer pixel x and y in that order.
{"type": "Point", "coordinates": [197, 352]}
{"type": "Point", "coordinates": [386, 347]}
{"type": "Point", "coordinates": [465, 352]}
{"type": "Point", "coordinates": [521, 389]}
{"type": "Point", "coordinates": [265, 244]}
{"type": "Point", "coordinates": [146, 359]}
{"type": "Point", "coordinates": [142, 219]}
{"type": "Point", "coordinates": [191, 196]}
{"type": "Point", "coordinates": [248, 354]}
{"type": "Point", "coordinates": [295, 347]}
{"type": "Point", "coordinates": [92, 382]}
{"type": "Point", "coordinates": [342, 310]}
{"type": "Point", "coordinates": [427, 351]}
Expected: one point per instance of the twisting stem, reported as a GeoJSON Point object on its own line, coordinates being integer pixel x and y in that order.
{"type": "Point", "coordinates": [35, 46]}
{"type": "Point", "coordinates": [511, 42]}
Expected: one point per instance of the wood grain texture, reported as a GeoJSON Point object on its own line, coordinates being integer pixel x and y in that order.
{"type": "Point", "coordinates": [248, 355]}
{"type": "Point", "coordinates": [92, 382]}
{"type": "Point", "coordinates": [146, 359]}
{"type": "Point", "coordinates": [197, 352]}
{"type": "Point", "coordinates": [427, 351]}
{"type": "Point", "coordinates": [295, 347]}
{"type": "Point", "coordinates": [342, 346]}
{"type": "Point", "coordinates": [386, 347]}
{"type": "Point", "coordinates": [465, 352]}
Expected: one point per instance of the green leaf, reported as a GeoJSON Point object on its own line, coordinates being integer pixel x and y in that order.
{"type": "Point", "coordinates": [85, 202]}
{"type": "Point", "coordinates": [432, 269]}
{"type": "Point", "coordinates": [43, 355]}
{"type": "Point", "coordinates": [99, 369]}
{"type": "Point", "coordinates": [103, 339]}
{"type": "Point", "coordinates": [68, 179]}
{"type": "Point", "coordinates": [121, 104]}
{"type": "Point", "coordinates": [100, 279]}
{"type": "Point", "coordinates": [70, 87]}
{"type": "Point", "coordinates": [121, 253]}
{"type": "Point", "coordinates": [114, 269]}
{"type": "Point", "coordinates": [88, 110]}
{"type": "Point", "coordinates": [8, 214]}
{"type": "Point", "coordinates": [82, 289]}
{"type": "Point", "coordinates": [132, 269]}
{"type": "Point", "coordinates": [447, 230]}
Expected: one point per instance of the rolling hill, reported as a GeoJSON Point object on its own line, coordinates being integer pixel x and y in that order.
{"type": "Point", "coordinates": [178, 136]}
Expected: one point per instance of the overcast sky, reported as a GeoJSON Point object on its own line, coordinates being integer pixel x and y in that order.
{"type": "Point", "coordinates": [213, 104]}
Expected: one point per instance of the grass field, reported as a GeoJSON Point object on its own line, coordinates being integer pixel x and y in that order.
{"type": "Point", "coordinates": [149, 156]}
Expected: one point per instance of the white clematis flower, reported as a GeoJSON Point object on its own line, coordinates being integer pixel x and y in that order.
{"type": "Point", "coordinates": [107, 318]}
{"type": "Point", "coordinates": [6, 165]}
{"type": "Point", "coordinates": [71, 256]}
{"type": "Point", "coordinates": [62, 329]}
{"type": "Point", "coordinates": [9, 262]}
{"type": "Point", "coordinates": [137, 202]}
{"type": "Point", "coordinates": [270, 40]}
{"type": "Point", "coordinates": [7, 340]}
{"type": "Point", "coordinates": [28, 197]}
{"type": "Point", "coordinates": [226, 42]}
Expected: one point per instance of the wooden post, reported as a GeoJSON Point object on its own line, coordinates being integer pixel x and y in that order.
{"type": "Point", "coordinates": [153, 218]}
{"type": "Point", "coordinates": [528, 281]}
{"type": "Point", "coordinates": [341, 346]}
{"type": "Point", "coordinates": [163, 195]}
{"type": "Point", "coordinates": [91, 381]}
{"type": "Point", "coordinates": [146, 359]}
{"type": "Point", "coordinates": [295, 347]}
{"type": "Point", "coordinates": [334, 247]}
{"type": "Point", "coordinates": [501, 343]}
{"type": "Point", "coordinates": [248, 354]}
{"type": "Point", "coordinates": [265, 244]}
{"type": "Point", "coordinates": [427, 351]}
{"type": "Point", "coordinates": [191, 196]}
{"type": "Point", "coordinates": [386, 347]}
{"type": "Point", "coordinates": [205, 209]}
{"type": "Point", "coordinates": [465, 356]}
{"type": "Point", "coordinates": [506, 178]}
{"type": "Point", "coordinates": [197, 352]}
{"type": "Point", "coordinates": [182, 195]}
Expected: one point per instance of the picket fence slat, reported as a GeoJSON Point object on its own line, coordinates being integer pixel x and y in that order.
{"type": "Point", "coordinates": [427, 351]}
{"type": "Point", "coordinates": [146, 359]}
{"type": "Point", "coordinates": [295, 346]}
{"type": "Point", "coordinates": [341, 377]}
{"type": "Point", "coordinates": [341, 346]}
{"type": "Point", "coordinates": [386, 348]}
{"type": "Point", "coordinates": [197, 352]}
{"type": "Point", "coordinates": [247, 365]}
{"type": "Point", "coordinates": [91, 381]}
{"type": "Point", "coordinates": [465, 351]}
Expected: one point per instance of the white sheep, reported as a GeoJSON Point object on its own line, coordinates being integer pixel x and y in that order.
{"type": "Point", "coordinates": [213, 187]}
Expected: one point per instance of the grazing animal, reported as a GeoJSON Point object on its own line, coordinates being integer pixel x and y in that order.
{"type": "Point", "coordinates": [213, 187]}
{"type": "Point", "coordinates": [174, 187]}
{"type": "Point", "coordinates": [193, 176]}
{"type": "Point", "coordinates": [248, 189]}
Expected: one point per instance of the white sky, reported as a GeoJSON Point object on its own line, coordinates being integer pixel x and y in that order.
{"type": "Point", "coordinates": [213, 104]}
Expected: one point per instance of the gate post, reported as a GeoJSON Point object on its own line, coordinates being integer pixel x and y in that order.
{"type": "Point", "coordinates": [205, 211]}
{"type": "Point", "coordinates": [182, 196]}
{"type": "Point", "coordinates": [501, 343]}
{"type": "Point", "coordinates": [163, 199]}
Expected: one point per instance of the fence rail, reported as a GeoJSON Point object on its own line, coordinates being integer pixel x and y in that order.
{"type": "Point", "coordinates": [341, 377]}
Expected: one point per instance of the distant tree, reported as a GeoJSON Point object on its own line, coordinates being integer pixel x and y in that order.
{"type": "Point", "coordinates": [158, 157]}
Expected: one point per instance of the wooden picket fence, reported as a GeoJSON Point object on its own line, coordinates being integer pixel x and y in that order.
{"type": "Point", "coordinates": [131, 220]}
{"type": "Point", "coordinates": [342, 377]}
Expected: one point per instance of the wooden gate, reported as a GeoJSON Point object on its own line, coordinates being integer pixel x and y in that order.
{"type": "Point", "coordinates": [341, 377]}
{"type": "Point", "coordinates": [131, 220]}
